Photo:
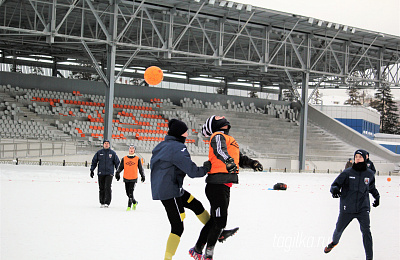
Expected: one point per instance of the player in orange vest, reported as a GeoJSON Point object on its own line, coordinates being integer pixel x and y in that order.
{"type": "Point", "coordinates": [225, 159]}
{"type": "Point", "coordinates": [130, 164]}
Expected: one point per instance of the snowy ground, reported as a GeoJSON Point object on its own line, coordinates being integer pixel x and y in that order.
{"type": "Point", "coordinates": [51, 212]}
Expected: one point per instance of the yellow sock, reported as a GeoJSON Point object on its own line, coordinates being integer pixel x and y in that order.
{"type": "Point", "coordinates": [204, 217]}
{"type": "Point", "coordinates": [172, 245]}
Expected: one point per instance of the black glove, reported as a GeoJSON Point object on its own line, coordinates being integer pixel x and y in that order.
{"type": "Point", "coordinates": [117, 176]}
{"type": "Point", "coordinates": [376, 203]}
{"type": "Point", "coordinates": [91, 174]}
{"type": "Point", "coordinates": [257, 166]}
{"type": "Point", "coordinates": [231, 165]}
{"type": "Point", "coordinates": [336, 192]}
{"type": "Point", "coordinates": [143, 178]}
{"type": "Point", "coordinates": [207, 166]}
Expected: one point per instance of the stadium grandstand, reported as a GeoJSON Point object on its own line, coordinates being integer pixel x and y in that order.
{"type": "Point", "coordinates": [72, 75]}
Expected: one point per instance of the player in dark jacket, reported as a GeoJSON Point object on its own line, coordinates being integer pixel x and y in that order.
{"type": "Point", "coordinates": [225, 159]}
{"type": "Point", "coordinates": [370, 164]}
{"type": "Point", "coordinates": [130, 164]}
{"type": "Point", "coordinates": [353, 186]}
{"type": "Point", "coordinates": [169, 164]}
{"type": "Point", "coordinates": [105, 160]}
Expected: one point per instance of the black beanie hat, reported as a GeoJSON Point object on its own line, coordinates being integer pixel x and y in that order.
{"type": "Point", "coordinates": [106, 141]}
{"type": "Point", "coordinates": [176, 127]}
{"type": "Point", "coordinates": [363, 153]}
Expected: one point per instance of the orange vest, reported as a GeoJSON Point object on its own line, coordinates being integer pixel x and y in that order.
{"type": "Point", "coordinates": [217, 166]}
{"type": "Point", "coordinates": [131, 167]}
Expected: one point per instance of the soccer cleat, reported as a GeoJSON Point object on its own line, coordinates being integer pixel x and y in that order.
{"type": "Point", "coordinates": [194, 254]}
{"type": "Point", "coordinates": [227, 233]}
{"type": "Point", "coordinates": [128, 209]}
{"type": "Point", "coordinates": [329, 247]}
{"type": "Point", "coordinates": [134, 206]}
{"type": "Point", "coordinates": [102, 206]}
{"type": "Point", "coordinates": [105, 205]}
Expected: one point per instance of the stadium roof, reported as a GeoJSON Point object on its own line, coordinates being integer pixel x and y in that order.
{"type": "Point", "coordinates": [217, 43]}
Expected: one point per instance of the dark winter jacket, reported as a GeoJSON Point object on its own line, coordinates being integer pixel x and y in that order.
{"type": "Point", "coordinates": [169, 164]}
{"type": "Point", "coordinates": [355, 187]}
{"type": "Point", "coordinates": [371, 165]}
{"type": "Point", "coordinates": [105, 160]}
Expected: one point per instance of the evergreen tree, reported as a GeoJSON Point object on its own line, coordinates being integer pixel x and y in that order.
{"type": "Point", "coordinates": [389, 121]}
{"type": "Point", "coordinates": [354, 97]}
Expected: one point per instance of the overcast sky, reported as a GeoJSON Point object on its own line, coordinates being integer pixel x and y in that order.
{"type": "Point", "coordinates": [379, 16]}
{"type": "Point", "coordinates": [375, 15]}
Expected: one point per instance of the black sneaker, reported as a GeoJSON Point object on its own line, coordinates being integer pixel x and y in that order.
{"type": "Point", "coordinates": [227, 233]}
{"type": "Point", "coordinates": [329, 247]}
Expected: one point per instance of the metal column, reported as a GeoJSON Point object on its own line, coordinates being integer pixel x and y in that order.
{"type": "Point", "coordinates": [111, 52]}
{"type": "Point", "coordinates": [303, 121]}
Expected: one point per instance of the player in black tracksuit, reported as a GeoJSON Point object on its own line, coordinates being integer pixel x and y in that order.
{"type": "Point", "coordinates": [353, 186]}
{"type": "Point", "coordinates": [225, 159]}
{"type": "Point", "coordinates": [370, 164]}
{"type": "Point", "coordinates": [105, 160]}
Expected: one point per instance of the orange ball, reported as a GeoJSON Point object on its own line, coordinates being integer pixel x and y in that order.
{"type": "Point", "coordinates": [389, 179]}
{"type": "Point", "coordinates": [153, 75]}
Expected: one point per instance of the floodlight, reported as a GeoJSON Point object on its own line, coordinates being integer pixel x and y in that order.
{"type": "Point", "coordinates": [353, 30]}
{"type": "Point", "coordinates": [329, 25]}
{"type": "Point", "coordinates": [320, 23]}
{"type": "Point", "coordinates": [222, 4]}
{"type": "Point", "coordinates": [248, 8]}
{"type": "Point", "coordinates": [310, 20]}
{"type": "Point", "coordinates": [239, 6]}
{"type": "Point", "coordinates": [337, 26]}
{"type": "Point", "coordinates": [230, 4]}
{"type": "Point", "coordinates": [197, 1]}
{"type": "Point", "coordinates": [345, 28]}
{"type": "Point", "coordinates": [211, 2]}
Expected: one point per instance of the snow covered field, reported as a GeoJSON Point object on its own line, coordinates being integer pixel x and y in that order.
{"type": "Point", "coordinates": [51, 212]}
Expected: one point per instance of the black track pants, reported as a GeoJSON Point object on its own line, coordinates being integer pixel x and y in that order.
{"type": "Point", "coordinates": [219, 196]}
{"type": "Point", "coordinates": [344, 220]}
{"type": "Point", "coordinates": [130, 188]}
{"type": "Point", "coordinates": [105, 189]}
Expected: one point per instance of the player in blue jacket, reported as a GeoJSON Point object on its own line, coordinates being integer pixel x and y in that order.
{"type": "Point", "coordinates": [170, 163]}
{"type": "Point", "coordinates": [106, 160]}
{"type": "Point", "coordinates": [353, 186]}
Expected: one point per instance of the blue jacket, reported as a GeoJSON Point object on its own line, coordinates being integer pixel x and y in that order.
{"type": "Point", "coordinates": [107, 160]}
{"type": "Point", "coordinates": [355, 188]}
{"type": "Point", "coordinates": [169, 164]}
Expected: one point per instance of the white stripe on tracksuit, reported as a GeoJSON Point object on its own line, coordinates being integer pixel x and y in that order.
{"type": "Point", "coordinates": [177, 209]}
{"type": "Point", "coordinates": [219, 150]}
{"type": "Point", "coordinates": [218, 212]}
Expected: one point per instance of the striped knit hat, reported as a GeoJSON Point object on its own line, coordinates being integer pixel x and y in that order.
{"type": "Point", "coordinates": [212, 125]}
